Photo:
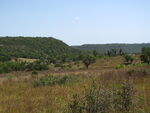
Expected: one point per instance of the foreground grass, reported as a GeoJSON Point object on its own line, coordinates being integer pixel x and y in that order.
{"type": "Point", "coordinates": [23, 97]}
{"type": "Point", "coordinates": [18, 94]}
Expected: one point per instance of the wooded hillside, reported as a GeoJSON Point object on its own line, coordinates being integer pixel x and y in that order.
{"type": "Point", "coordinates": [102, 48]}
{"type": "Point", "coordinates": [34, 47]}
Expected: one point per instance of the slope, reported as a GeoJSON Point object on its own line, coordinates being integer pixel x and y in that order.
{"type": "Point", "coordinates": [34, 47]}
{"type": "Point", "coordinates": [102, 48]}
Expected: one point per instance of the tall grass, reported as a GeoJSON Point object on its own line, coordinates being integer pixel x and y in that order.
{"type": "Point", "coordinates": [99, 99]}
{"type": "Point", "coordinates": [112, 91]}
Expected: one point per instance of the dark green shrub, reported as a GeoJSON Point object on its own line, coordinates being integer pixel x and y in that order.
{"type": "Point", "coordinates": [9, 66]}
{"type": "Point", "coordinates": [34, 72]}
{"type": "Point", "coordinates": [4, 58]}
{"type": "Point", "coordinates": [6, 67]}
{"type": "Point", "coordinates": [95, 53]}
{"type": "Point", "coordinates": [115, 52]}
{"type": "Point", "coordinates": [36, 66]}
{"type": "Point", "coordinates": [128, 59]}
{"type": "Point", "coordinates": [145, 57]}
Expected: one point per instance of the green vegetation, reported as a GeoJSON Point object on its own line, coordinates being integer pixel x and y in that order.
{"type": "Point", "coordinates": [95, 53]}
{"type": "Point", "coordinates": [115, 52]}
{"type": "Point", "coordinates": [34, 72]}
{"type": "Point", "coordinates": [128, 59]}
{"type": "Point", "coordinates": [145, 57]}
{"type": "Point", "coordinates": [6, 67]}
{"type": "Point", "coordinates": [88, 60]}
{"type": "Point", "coordinates": [34, 47]}
{"type": "Point", "coordinates": [98, 99]}
{"type": "Point", "coordinates": [44, 75]}
{"type": "Point", "coordinates": [9, 66]}
{"type": "Point", "coordinates": [56, 80]}
{"type": "Point", "coordinates": [102, 48]}
{"type": "Point", "coordinates": [119, 66]}
{"type": "Point", "coordinates": [75, 91]}
{"type": "Point", "coordinates": [4, 58]}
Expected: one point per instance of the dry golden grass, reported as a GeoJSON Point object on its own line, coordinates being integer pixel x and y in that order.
{"type": "Point", "coordinates": [27, 60]}
{"type": "Point", "coordinates": [17, 94]}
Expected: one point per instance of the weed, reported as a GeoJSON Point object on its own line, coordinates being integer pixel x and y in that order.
{"type": "Point", "coordinates": [34, 72]}
{"type": "Point", "coordinates": [99, 100]}
{"type": "Point", "coordinates": [55, 80]}
{"type": "Point", "coordinates": [119, 66]}
{"type": "Point", "coordinates": [124, 98]}
{"type": "Point", "coordinates": [76, 106]}
{"type": "Point", "coordinates": [103, 100]}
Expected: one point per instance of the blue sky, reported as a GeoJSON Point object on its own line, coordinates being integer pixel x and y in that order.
{"type": "Point", "coordinates": [78, 21]}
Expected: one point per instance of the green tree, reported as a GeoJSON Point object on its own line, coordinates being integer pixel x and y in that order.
{"type": "Point", "coordinates": [87, 60]}
{"type": "Point", "coordinates": [95, 53]}
{"type": "Point", "coordinates": [145, 57]}
{"type": "Point", "coordinates": [112, 52]}
{"type": "Point", "coordinates": [63, 57]}
{"type": "Point", "coordinates": [120, 52]}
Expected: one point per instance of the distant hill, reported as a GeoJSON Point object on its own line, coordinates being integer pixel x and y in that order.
{"type": "Point", "coordinates": [102, 48]}
{"type": "Point", "coordinates": [34, 47]}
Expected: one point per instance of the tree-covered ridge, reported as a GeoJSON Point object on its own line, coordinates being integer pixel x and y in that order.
{"type": "Point", "coordinates": [34, 47]}
{"type": "Point", "coordinates": [102, 48]}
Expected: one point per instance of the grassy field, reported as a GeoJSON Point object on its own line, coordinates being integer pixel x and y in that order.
{"type": "Point", "coordinates": [19, 95]}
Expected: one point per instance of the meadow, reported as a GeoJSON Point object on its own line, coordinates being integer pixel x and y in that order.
{"type": "Point", "coordinates": [65, 90]}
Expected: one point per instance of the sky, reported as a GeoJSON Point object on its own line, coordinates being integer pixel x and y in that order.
{"type": "Point", "coordinates": [78, 22]}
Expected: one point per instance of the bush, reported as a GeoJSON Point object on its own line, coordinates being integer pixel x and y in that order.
{"type": "Point", "coordinates": [98, 100]}
{"type": "Point", "coordinates": [124, 98]}
{"type": "Point", "coordinates": [6, 67]}
{"type": "Point", "coordinates": [56, 80]}
{"type": "Point", "coordinates": [36, 66]}
{"type": "Point", "coordinates": [103, 100]}
{"type": "Point", "coordinates": [9, 66]}
{"type": "Point", "coordinates": [145, 57]}
{"type": "Point", "coordinates": [140, 64]}
{"type": "Point", "coordinates": [119, 66]}
{"type": "Point", "coordinates": [34, 72]}
{"type": "Point", "coordinates": [4, 58]}
{"type": "Point", "coordinates": [128, 59]}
